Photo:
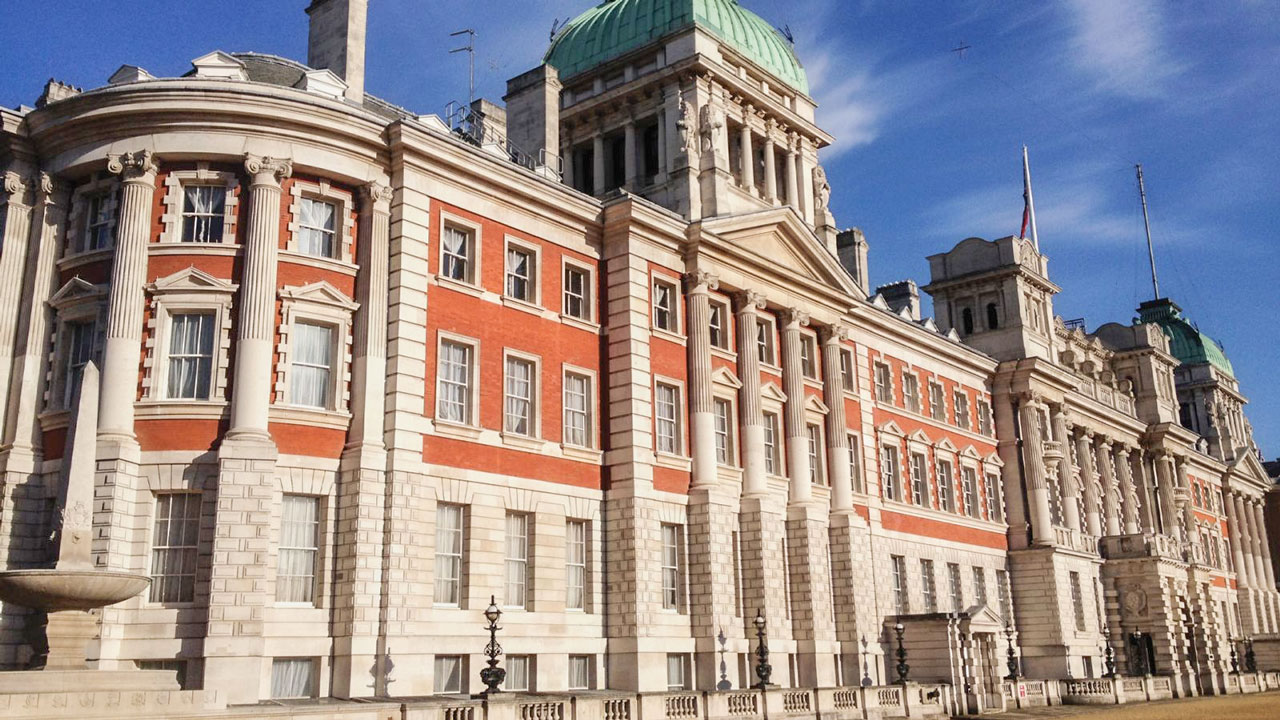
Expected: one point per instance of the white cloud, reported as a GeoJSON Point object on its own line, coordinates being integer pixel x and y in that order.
{"type": "Point", "coordinates": [1122, 45]}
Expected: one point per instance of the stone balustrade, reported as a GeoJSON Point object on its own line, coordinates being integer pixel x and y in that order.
{"type": "Point", "coordinates": [1141, 545]}
{"type": "Point", "coordinates": [1075, 540]}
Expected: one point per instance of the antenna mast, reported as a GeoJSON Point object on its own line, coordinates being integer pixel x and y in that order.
{"type": "Point", "coordinates": [1146, 220]}
{"type": "Point", "coordinates": [470, 49]}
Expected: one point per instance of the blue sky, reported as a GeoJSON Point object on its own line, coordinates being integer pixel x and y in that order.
{"type": "Point", "coordinates": [928, 142]}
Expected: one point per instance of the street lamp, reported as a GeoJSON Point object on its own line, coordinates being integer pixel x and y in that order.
{"type": "Point", "coordinates": [1109, 659]}
{"type": "Point", "coordinates": [1013, 656]}
{"type": "Point", "coordinates": [763, 670]}
{"type": "Point", "coordinates": [1250, 661]}
{"type": "Point", "coordinates": [493, 675]}
{"type": "Point", "coordinates": [1235, 659]}
{"type": "Point", "coordinates": [903, 667]}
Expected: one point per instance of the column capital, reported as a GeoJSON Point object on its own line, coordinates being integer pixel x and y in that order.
{"type": "Point", "coordinates": [140, 166]}
{"type": "Point", "coordinates": [1104, 443]}
{"type": "Point", "coordinates": [1028, 398]}
{"type": "Point", "coordinates": [1123, 450]}
{"type": "Point", "coordinates": [833, 334]}
{"type": "Point", "coordinates": [701, 281]}
{"type": "Point", "coordinates": [749, 300]}
{"type": "Point", "coordinates": [796, 317]}
{"type": "Point", "coordinates": [15, 187]}
{"type": "Point", "coordinates": [267, 170]}
{"type": "Point", "coordinates": [377, 194]}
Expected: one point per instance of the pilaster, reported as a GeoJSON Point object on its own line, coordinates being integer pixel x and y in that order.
{"type": "Point", "coordinates": [793, 386]}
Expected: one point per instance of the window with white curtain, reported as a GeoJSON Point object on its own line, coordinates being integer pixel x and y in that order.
{"type": "Point", "coordinates": [311, 365]}
{"type": "Point", "coordinates": [677, 672]}
{"type": "Point", "coordinates": [575, 562]}
{"type": "Point", "coordinates": [203, 210]}
{"type": "Point", "coordinates": [884, 383]}
{"type": "Point", "coordinates": [764, 340]}
{"type": "Point", "coordinates": [817, 469]}
{"type": "Point", "coordinates": [927, 583]}
{"type": "Point", "coordinates": [99, 226]}
{"type": "Point", "coordinates": [516, 560]}
{"type": "Point", "coordinates": [724, 431]}
{"type": "Point", "coordinates": [577, 410]}
{"type": "Point", "coordinates": [519, 670]}
{"type": "Point", "coordinates": [448, 674]}
{"type": "Point", "coordinates": [190, 355]}
{"type": "Point", "coordinates": [671, 567]}
{"type": "Point", "coordinates": [957, 592]}
{"type": "Point", "coordinates": [919, 480]}
{"type": "Point", "coordinates": [979, 586]}
{"type": "Point", "coordinates": [995, 506]}
{"type": "Point", "coordinates": [716, 325]}
{"type": "Point", "coordinates": [1002, 592]}
{"type": "Point", "coordinates": [518, 402]}
{"type": "Point", "coordinates": [846, 371]}
{"type": "Point", "coordinates": [969, 491]}
{"type": "Point", "coordinates": [808, 358]}
{"type": "Point", "coordinates": [577, 293]}
{"type": "Point", "coordinates": [299, 549]}
{"type": "Point", "coordinates": [889, 472]}
{"type": "Point", "coordinates": [175, 542]}
{"type": "Point", "coordinates": [667, 418]}
{"type": "Point", "coordinates": [664, 306]}
{"type": "Point", "coordinates": [937, 402]}
{"type": "Point", "coordinates": [771, 460]}
{"type": "Point", "coordinates": [457, 253]}
{"type": "Point", "coordinates": [454, 403]}
{"type": "Point", "coordinates": [911, 391]}
{"type": "Point", "coordinates": [317, 227]}
{"type": "Point", "coordinates": [961, 401]}
{"type": "Point", "coordinates": [293, 678]}
{"type": "Point", "coordinates": [855, 467]}
{"type": "Point", "coordinates": [580, 671]}
{"type": "Point", "coordinates": [984, 417]}
{"type": "Point", "coordinates": [521, 274]}
{"type": "Point", "coordinates": [78, 350]}
{"type": "Point", "coordinates": [898, 567]}
{"type": "Point", "coordinates": [946, 487]}
{"type": "Point", "coordinates": [449, 546]}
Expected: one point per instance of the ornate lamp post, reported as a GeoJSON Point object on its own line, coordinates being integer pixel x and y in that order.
{"type": "Point", "coordinates": [763, 670]}
{"type": "Point", "coordinates": [724, 683]}
{"type": "Point", "coordinates": [1139, 654]}
{"type": "Point", "coordinates": [903, 667]}
{"type": "Point", "coordinates": [1109, 655]}
{"type": "Point", "coordinates": [493, 675]}
{"type": "Point", "coordinates": [1250, 661]}
{"type": "Point", "coordinates": [1013, 655]}
{"type": "Point", "coordinates": [1235, 659]}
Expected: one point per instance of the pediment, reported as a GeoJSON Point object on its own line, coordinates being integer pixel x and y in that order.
{"type": "Point", "coordinates": [994, 460]}
{"type": "Point", "coordinates": [322, 82]}
{"type": "Point", "coordinates": [920, 437]}
{"type": "Point", "coordinates": [1251, 469]}
{"type": "Point", "coordinates": [771, 391]}
{"type": "Point", "coordinates": [319, 292]}
{"type": "Point", "coordinates": [814, 403]}
{"type": "Point", "coordinates": [891, 428]}
{"type": "Point", "coordinates": [778, 239]}
{"type": "Point", "coordinates": [218, 64]}
{"type": "Point", "coordinates": [929, 325]}
{"type": "Point", "coordinates": [970, 452]}
{"type": "Point", "coordinates": [981, 618]}
{"type": "Point", "coordinates": [878, 301]}
{"type": "Point", "coordinates": [723, 376]}
{"type": "Point", "coordinates": [75, 290]}
{"type": "Point", "coordinates": [947, 445]}
{"type": "Point", "coordinates": [191, 279]}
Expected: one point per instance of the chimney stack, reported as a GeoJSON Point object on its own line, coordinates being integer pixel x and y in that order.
{"type": "Point", "coordinates": [851, 249]}
{"type": "Point", "coordinates": [336, 41]}
{"type": "Point", "coordinates": [533, 114]}
{"type": "Point", "coordinates": [902, 294]}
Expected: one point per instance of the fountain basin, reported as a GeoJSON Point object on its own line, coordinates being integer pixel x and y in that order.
{"type": "Point", "coordinates": [53, 590]}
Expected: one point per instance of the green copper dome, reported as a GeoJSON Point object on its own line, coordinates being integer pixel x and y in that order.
{"type": "Point", "coordinates": [616, 27]}
{"type": "Point", "coordinates": [1186, 342]}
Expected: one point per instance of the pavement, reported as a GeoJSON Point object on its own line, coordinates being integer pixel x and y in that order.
{"type": "Point", "coordinates": [1258, 706]}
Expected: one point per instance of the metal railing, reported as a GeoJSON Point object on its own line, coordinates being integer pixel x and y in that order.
{"type": "Point", "coordinates": [476, 129]}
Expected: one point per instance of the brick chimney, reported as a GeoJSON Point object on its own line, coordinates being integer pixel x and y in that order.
{"type": "Point", "coordinates": [336, 41]}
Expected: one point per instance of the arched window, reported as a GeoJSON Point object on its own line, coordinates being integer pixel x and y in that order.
{"type": "Point", "coordinates": [993, 317]}
{"type": "Point", "coordinates": [966, 320]}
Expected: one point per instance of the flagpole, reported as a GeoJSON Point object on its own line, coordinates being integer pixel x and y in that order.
{"type": "Point", "coordinates": [1031, 203]}
{"type": "Point", "coordinates": [1146, 221]}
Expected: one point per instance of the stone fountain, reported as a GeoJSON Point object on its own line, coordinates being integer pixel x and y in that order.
{"type": "Point", "coordinates": [68, 591]}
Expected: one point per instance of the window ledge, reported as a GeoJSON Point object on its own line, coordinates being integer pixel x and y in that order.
{"type": "Point", "coordinates": [334, 419]}
{"type": "Point", "coordinates": [813, 383]}
{"type": "Point", "coordinates": [724, 354]}
{"type": "Point", "coordinates": [193, 248]}
{"type": "Point", "coordinates": [523, 442]}
{"type": "Point", "coordinates": [729, 472]}
{"type": "Point", "coordinates": [85, 258]}
{"type": "Point", "coordinates": [575, 452]}
{"type": "Point", "coordinates": [677, 462]}
{"type": "Point", "coordinates": [458, 285]}
{"type": "Point", "coordinates": [771, 368]}
{"type": "Point", "coordinates": [181, 409]}
{"type": "Point", "coordinates": [521, 305]}
{"type": "Point", "coordinates": [316, 261]}
{"type": "Point", "coordinates": [447, 427]}
{"type": "Point", "coordinates": [668, 335]}
{"type": "Point", "coordinates": [579, 323]}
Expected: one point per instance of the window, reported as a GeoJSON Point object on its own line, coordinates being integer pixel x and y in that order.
{"type": "Point", "coordinates": [664, 306]}
{"type": "Point", "coordinates": [575, 562]}
{"type": "Point", "coordinates": [995, 505]}
{"type": "Point", "coordinates": [174, 546]}
{"type": "Point", "coordinates": [677, 672]}
{"type": "Point", "coordinates": [919, 480]}
{"type": "Point", "coordinates": [855, 467]}
{"type": "Point", "coordinates": [817, 472]}
{"type": "Point", "coordinates": [993, 317]}
{"type": "Point", "coordinates": [786, 574]}
{"type": "Point", "coordinates": [317, 227]}
{"type": "Point", "coordinates": [78, 343]}
{"type": "Point", "coordinates": [580, 667]}
{"type": "Point", "coordinates": [889, 472]}
{"type": "Point", "coordinates": [969, 490]}
{"type": "Point", "coordinates": [930, 589]}
{"type": "Point", "coordinates": [668, 419]}
{"type": "Point", "coordinates": [671, 569]}
{"type": "Point", "coordinates": [577, 410]}
{"type": "Point", "coordinates": [937, 405]}
{"type": "Point", "coordinates": [299, 549]}
{"type": "Point", "coordinates": [979, 586]}
{"type": "Point", "coordinates": [522, 274]}
{"type": "Point", "coordinates": [716, 326]}
{"type": "Point", "coordinates": [901, 606]}
{"type": "Point", "coordinates": [808, 358]}
{"type": "Point", "coordinates": [457, 254]}
{"type": "Point", "coordinates": [984, 418]}
{"type": "Point", "coordinates": [293, 678]}
{"type": "Point", "coordinates": [448, 672]}
{"type": "Point", "coordinates": [454, 404]}
{"type": "Point", "coordinates": [311, 368]}
{"type": "Point", "coordinates": [724, 432]}
{"type": "Point", "coordinates": [966, 320]}
{"type": "Point", "coordinates": [911, 391]}
{"type": "Point", "coordinates": [190, 355]}
{"type": "Point", "coordinates": [884, 384]}
{"type": "Point", "coordinates": [846, 371]}
{"type": "Point", "coordinates": [517, 560]}
{"type": "Point", "coordinates": [957, 594]}
{"type": "Point", "coordinates": [448, 590]}
{"type": "Point", "coordinates": [1077, 601]}
{"type": "Point", "coordinates": [946, 487]}
{"type": "Point", "coordinates": [1002, 592]}
{"type": "Point", "coordinates": [203, 210]}
{"type": "Point", "coordinates": [961, 401]}
{"type": "Point", "coordinates": [577, 292]}
{"type": "Point", "coordinates": [764, 341]}
{"type": "Point", "coordinates": [100, 221]}
{"type": "Point", "coordinates": [772, 462]}
{"type": "Point", "coordinates": [519, 396]}
{"type": "Point", "coordinates": [518, 673]}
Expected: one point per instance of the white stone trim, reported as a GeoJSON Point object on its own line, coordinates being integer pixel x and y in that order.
{"type": "Point", "coordinates": [344, 230]}
{"type": "Point", "coordinates": [324, 304]}
{"type": "Point", "coordinates": [101, 184]}
{"type": "Point", "coordinates": [186, 290]}
{"type": "Point", "coordinates": [174, 183]}
{"type": "Point", "coordinates": [476, 281]}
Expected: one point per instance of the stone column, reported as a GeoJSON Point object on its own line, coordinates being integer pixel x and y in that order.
{"type": "Point", "coordinates": [1168, 505]}
{"type": "Point", "coordinates": [1084, 457]}
{"type": "Point", "coordinates": [1129, 495]}
{"type": "Point", "coordinates": [1066, 477]}
{"type": "Point", "coordinates": [837, 427]}
{"type": "Point", "coordinates": [702, 416]}
{"type": "Point", "coordinates": [1110, 496]}
{"type": "Point", "coordinates": [754, 477]}
{"type": "Point", "coordinates": [1142, 478]}
{"type": "Point", "coordinates": [770, 164]}
{"type": "Point", "coordinates": [597, 162]}
{"type": "Point", "coordinates": [1253, 531]}
{"type": "Point", "coordinates": [1236, 530]}
{"type": "Point", "coordinates": [746, 152]}
{"type": "Point", "coordinates": [1190, 531]}
{"type": "Point", "coordinates": [122, 356]}
{"type": "Point", "coordinates": [13, 262]}
{"type": "Point", "coordinates": [1260, 523]}
{"type": "Point", "coordinates": [793, 386]}
{"type": "Point", "coordinates": [791, 178]}
{"type": "Point", "coordinates": [631, 167]}
{"type": "Point", "coordinates": [1033, 465]}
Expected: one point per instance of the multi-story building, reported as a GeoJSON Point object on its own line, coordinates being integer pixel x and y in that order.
{"type": "Point", "coordinates": [602, 355]}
